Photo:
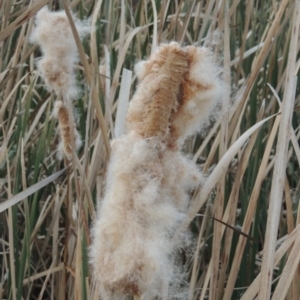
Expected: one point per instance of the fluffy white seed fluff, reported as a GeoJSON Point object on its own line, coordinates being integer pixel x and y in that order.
{"type": "Point", "coordinates": [203, 87]}
{"type": "Point", "coordinates": [145, 200]}
{"type": "Point", "coordinates": [149, 180]}
{"type": "Point", "coordinates": [53, 34]}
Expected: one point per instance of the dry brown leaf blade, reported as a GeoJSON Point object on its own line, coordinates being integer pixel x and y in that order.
{"type": "Point", "coordinates": [280, 163]}
{"type": "Point", "coordinates": [31, 190]}
{"type": "Point", "coordinates": [29, 13]}
{"type": "Point", "coordinates": [219, 170]}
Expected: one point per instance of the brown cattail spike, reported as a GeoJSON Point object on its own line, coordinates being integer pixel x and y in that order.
{"type": "Point", "coordinates": [156, 96]}
{"type": "Point", "coordinates": [63, 115]}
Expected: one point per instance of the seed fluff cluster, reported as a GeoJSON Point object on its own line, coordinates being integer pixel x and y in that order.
{"type": "Point", "coordinates": [149, 179]}
{"type": "Point", "coordinates": [53, 33]}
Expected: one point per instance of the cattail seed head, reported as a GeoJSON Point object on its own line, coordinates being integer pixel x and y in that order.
{"type": "Point", "coordinates": [149, 180]}
{"type": "Point", "coordinates": [178, 90]}
{"type": "Point", "coordinates": [156, 96]}
{"type": "Point", "coordinates": [201, 91]}
{"type": "Point", "coordinates": [53, 33]}
{"type": "Point", "coordinates": [61, 112]}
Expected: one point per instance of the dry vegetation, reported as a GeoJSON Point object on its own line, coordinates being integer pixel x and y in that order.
{"type": "Point", "coordinates": [251, 155]}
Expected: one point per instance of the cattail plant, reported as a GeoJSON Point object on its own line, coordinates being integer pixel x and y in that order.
{"type": "Point", "coordinates": [53, 33]}
{"type": "Point", "coordinates": [149, 179]}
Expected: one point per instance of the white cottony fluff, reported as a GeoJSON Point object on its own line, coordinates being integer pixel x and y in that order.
{"type": "Point", "coordinates": [145, 200]}
{"type": "Point", "coordinates": [149, 180]}
{"type": "Point", "coordinates": [53, 33]}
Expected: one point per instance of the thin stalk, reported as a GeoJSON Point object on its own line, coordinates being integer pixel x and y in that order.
{"type": "Point", "coordinates": [280, 163]}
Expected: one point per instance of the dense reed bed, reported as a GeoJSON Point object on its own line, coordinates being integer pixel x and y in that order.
{"type": "Point", "coordinates": [55, 102]}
